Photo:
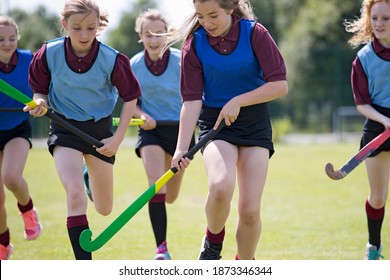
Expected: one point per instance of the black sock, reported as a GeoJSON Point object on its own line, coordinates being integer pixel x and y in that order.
{"type": "Point", "coordinates": [74, 236]}
{"type": "Point", "coordinates": [374, 231]}
{"type": "Point", "coordinates": [375, 219]}
{"type": "Point", "coordinates": [158, 218]}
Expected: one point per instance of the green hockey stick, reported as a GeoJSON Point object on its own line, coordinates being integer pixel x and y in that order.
{"type": "Point", "coordinates": [135, 122]}
{"type": "Point", "coordinates": [12, 92]}
{"type": "Point", "coordinates": [92, 245]}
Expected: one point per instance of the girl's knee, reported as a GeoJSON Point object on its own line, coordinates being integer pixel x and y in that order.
{"type": "Point", "coordinates": [103, 210]}
{"type": "Point", "coordinates": [377, 199]}
{"type": "Point", "coordinates": [171, 198]}
{"type": "Point", "coordinates": [221, 196]}
{"type": "Point", "coordinates": [171, 195]}
{"type": "Point", "coordinates": [249, 217]}
{"type": "Point", "coordinates": [76, 200]}
{"type": "Point", "coordinates": [377, 203]}
{"type": "Point", "coordinates": [12, 181]}
{"type": "Point", "coordinates": [221, 192]}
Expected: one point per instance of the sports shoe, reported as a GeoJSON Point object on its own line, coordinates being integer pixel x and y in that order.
{"type": "Point", "coordinates": [372, 253]}
{"type": "Point", "coordinates": [162, 252]}
{"type": "Point", "coordinates": [210, 251]}
{"type": "Point", "coordinates": [32, 227]}
{"type": "Point", "coordinates": [86, 182]}
{"type": "Point", "coordinates": [6, 251]}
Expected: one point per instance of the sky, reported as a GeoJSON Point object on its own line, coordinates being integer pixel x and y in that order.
{"type": "Point", "coordinates": [175, 10]}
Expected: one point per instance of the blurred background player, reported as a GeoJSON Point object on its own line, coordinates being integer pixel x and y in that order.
{"type": "Point", "coordinates": [159, 78]}
{"type": "Point", "coordinates": [15, 136]}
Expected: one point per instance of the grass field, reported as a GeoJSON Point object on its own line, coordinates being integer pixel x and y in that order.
{"type": "Point", "coordinates": [306, 216]}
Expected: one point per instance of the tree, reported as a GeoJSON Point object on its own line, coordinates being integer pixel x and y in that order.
{"type": "Point", "coordinates": [124, 38]}
{"type": "Point", "coordinates": [318, 59]}
{"type": "Point", "coordinates": [36, 28]}
{"type": "Point", "coordinates": [309, 33]}
{"type": "Point", "coordinates": [265, 12]}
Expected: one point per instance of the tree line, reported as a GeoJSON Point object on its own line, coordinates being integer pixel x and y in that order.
{"type": "Point", "coordinates": [309, 33]}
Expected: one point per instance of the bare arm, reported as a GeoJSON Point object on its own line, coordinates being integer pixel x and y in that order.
{"type": "Point", "coordinates": [111, 144]}
{"type": "Point", "coordinates": [369, 112]}
{"type": "Point", "coordinates": [188, 118]}
{"type": "Point", "coordinates": [267, 92]}
{"type": "Point", "coordinates": [149, 122]}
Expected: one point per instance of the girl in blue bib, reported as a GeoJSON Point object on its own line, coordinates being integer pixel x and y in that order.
{"type": "Point", "coordinates": [230, 69]}
{"type": "Point", "coordinates": [81, 79]}
{"type": "Point", "coordinates": [370, 85]}
{"type": "Point", "coordinates": [15, 136]}
{"type": "Point", "coordinates": [159, 78]}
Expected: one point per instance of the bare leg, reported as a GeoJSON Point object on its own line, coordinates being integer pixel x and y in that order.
{"type": "Point", "coordinates": [252, 171]}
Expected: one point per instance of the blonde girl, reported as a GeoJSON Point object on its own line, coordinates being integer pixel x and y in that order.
{"type": "Point", "coordinates": [81, 78]}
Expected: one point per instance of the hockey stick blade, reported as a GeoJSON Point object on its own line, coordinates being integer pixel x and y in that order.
{"type": "Point", "coordinates": [334, 174]}
{"type": "Point", "coordinates": [360, 156]}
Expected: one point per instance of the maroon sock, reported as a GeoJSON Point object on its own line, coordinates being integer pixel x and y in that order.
{"type": "Point", "coordinates": [158, 198]}
{"type": "Point", "coordinates": [27, 207]}
{"type": "Point", "coordinates": [374, 222]}
{"type": "Point", "coordinates": [5, 238]}
{"type": "Point", "coordinates": [216, 238]}
{"type": "Point", "coordinates": [74, 221]}
{"type": "Point", "coordinates": [76, 225]}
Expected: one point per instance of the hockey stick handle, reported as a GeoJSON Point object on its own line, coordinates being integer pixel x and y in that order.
{"type": "Point", "coordinates": [14, 93]}
{"type": "Point", "coordinates": [5, 109]}
{"type": "Point", "coordinates": [92, 245]}
{"type": "Point", "coordinates": [136, 121]}
{"type": "Point", "coordinates": [86, 137]}
{"type": "Point", "coordinates": [210, 135]}
{"type": "Point", "coordinates": [360, 156]}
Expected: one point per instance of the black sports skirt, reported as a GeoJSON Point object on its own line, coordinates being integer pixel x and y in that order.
{"type": "Point", "coordinates": [164, 136]}
{"type": "Point", "coordinates": [23, 130]}
{"type": "Point", "coordinates": [252, 127]}
{"type": "Point", "coordinates": [62, 137]}
{"type": "Point", "coordinates": [372, 129]}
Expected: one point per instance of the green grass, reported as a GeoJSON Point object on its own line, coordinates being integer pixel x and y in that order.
{"type": "Point", "coordinates": [306, 216]}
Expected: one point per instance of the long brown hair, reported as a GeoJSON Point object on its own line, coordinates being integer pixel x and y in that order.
{"type": "Point", "coordinates": [361, 27]}
{"type": "Point", "coordinates": [241, 8]}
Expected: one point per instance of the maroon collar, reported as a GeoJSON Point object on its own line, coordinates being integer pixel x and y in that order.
{"type": "Point", "coordinates": [232, 35]}
{"type": "Point", "coordinates": [88, 58]}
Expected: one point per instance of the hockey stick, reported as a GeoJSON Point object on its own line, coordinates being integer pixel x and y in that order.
{"type": "Point", "coordinates": [5, 109]}
{"type": "Point", "coordinates": [12, 92]}
{"type": "Point", "coordinates": [135, 122]}
{"type": "Point", "coordinates": [357, 158]}
{"type": "Point", "coordinates": [92, 245]}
